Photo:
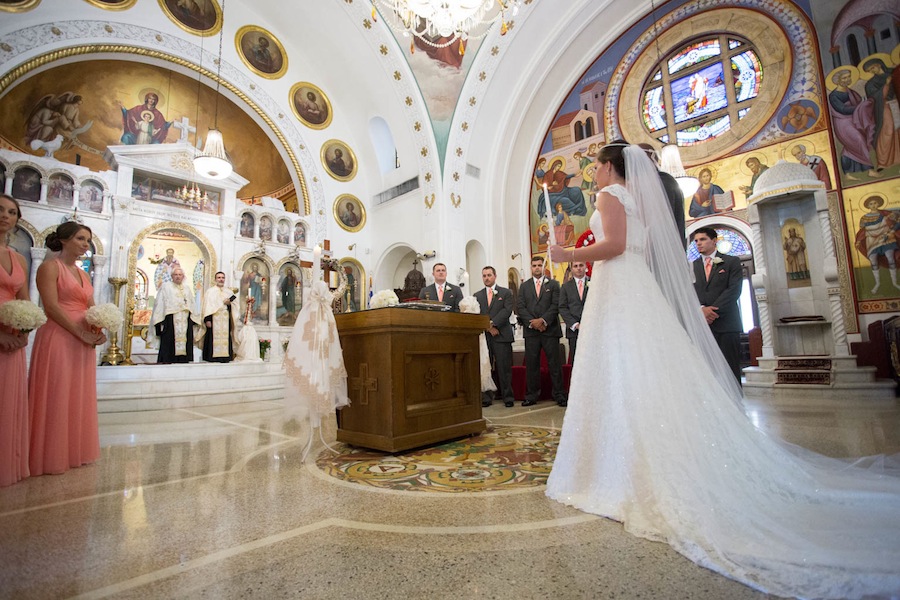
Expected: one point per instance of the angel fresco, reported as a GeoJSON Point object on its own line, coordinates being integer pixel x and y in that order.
{"type": "Point", "coordinates": [53, 116]}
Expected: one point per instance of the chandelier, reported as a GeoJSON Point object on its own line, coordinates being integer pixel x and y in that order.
{"type": "Point", "coordinates": [213, 161]}
{"type": "Point", "coordinates": [670, 157]}
{"type": "Point", "coordinates": [192, 197]}
{"type": "Point", "coordinates": [440, 23]}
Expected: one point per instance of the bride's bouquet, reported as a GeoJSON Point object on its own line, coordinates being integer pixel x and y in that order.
{"type": "Point", "coordinates": [21, 315]}
{"type": "Point", "coordinates": [383, 299]}
{"type": "Point", "coordinates": [104, 316]}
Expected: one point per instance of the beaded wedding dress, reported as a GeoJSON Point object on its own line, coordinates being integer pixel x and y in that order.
{"type": "Point", "coordinates": [652, 438]}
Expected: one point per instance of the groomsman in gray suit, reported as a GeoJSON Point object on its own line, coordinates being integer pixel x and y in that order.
{"type": "Point", "coordinates": [538, 311]}
{"type": "Point", "coordinates": [497, 303]}
{"type": "Point", "coordinates": [441, 290]}
{"type": "Point", "coordinates": [572, 295]}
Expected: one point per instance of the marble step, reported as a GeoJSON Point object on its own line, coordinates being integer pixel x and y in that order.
{"type": "Point", "coordinates": [157, 387]}
{"type": "Point", "coordinates": [835, 375]}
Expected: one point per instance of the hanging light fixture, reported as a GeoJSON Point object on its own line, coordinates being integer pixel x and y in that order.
{"type": "Point", "coordinates": [213, 161]}
{"type": "Point", "coordinates": [670, 162]}
{"type": "Point", "coordinates": [440, 23]}
{"type": "Point", "coordinates": [670, 156]}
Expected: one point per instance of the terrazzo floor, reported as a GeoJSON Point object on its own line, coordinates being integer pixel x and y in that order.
{"type": "Point", "coordinates": [216, 503]}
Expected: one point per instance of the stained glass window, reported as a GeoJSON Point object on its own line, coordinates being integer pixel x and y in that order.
{"type": "Point", "coordinates": [698, 134]}
{"type": "Point", "coordinates": [692, 106]}
{"type": "Point", "coordinates": [654, 109]}
{"type": "Point", "coordinates": [693, 54]}
{"type": "Point", "coordinates": [747, 73]}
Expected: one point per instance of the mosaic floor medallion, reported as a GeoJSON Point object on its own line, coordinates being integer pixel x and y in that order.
{"type": "Point", "coordinates": [500, 459]}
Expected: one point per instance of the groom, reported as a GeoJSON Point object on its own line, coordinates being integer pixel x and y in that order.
{"type": "Point", "coordinates": [717, 281]}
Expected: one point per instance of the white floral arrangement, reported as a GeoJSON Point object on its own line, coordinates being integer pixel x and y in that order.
{"type": "Point", "coordinates": [22, 315]}
{"type": "Point", "coordinates": [383, 299]}
{"type": "Point", "coordinates": [104, 316]}
{"type": "Point", "coordinates": [469, 305]}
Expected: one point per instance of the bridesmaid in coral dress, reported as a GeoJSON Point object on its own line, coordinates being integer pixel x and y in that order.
{"type": "Point", "coordinates": [62, 384]}
{"type": "Point", "coordinates": [14, 390]}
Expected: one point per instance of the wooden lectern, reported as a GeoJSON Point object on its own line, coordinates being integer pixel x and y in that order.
{"type": "Point", "coordinates": [413, 377]}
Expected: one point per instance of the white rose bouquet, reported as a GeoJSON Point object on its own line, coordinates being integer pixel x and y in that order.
{"type": "Point", "coordinates": [383, 299]}
{"type": "Point", "coordinates": [104, 316]}
{"type": "Point", "coordinates": [21, 315]}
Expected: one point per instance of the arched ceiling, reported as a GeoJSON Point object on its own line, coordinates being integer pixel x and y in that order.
{"type": "Point", "coordinates": [335, 45]}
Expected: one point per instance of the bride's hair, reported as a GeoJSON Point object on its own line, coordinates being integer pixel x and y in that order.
{"type": "Point", "coordinates": [614, 152]}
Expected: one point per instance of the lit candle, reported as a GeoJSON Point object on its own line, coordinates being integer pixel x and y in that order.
{"type": "Point", "coordinates": [317, 263]}
{"type": "Point", "coordinates": [551, 231]}
{"type": "Point", "coordinates": [465, 278]}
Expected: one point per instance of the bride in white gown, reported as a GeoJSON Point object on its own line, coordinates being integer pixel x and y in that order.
{"type": "Point", "coordinates": [655, 435]}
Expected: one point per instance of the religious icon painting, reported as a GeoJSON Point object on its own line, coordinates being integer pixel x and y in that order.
{"type": "Point", "coordinates": [90, 197]}
{"type": "Point", "coordinates": [290, 294]}
{"type": "Point", "coordinates": [27, 185]}
{"type": "Point", "coordinates": [300, 233]}
{"type": "Point", "coordinates": [15, 6]}
{"type": "Point", "coordinates": [311, 105]}
{"type": "Point", "coordinates": [284, 232]}
{"type": "Point", "coordinates": [339, 160]}
{"type": "Point", "coordinates": [261, 52]}
{"type": "Point", "coordinates": [349, 212]}
{"type": "Point", "coordinates": [200, 17]}
{"type": "Point", "coordinates": [255, 285]}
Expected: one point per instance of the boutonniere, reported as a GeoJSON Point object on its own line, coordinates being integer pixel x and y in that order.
{"type": "Point", "coordinates": [717, 260]}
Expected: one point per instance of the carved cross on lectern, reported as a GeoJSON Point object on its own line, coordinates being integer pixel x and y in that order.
{"type": "Point", "coordinates": [364, 384]}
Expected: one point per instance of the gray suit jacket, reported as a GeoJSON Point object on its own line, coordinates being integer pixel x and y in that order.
{"type": "Point", "coordinates": [722, 290]}
{"type": "Point", "coordinates": [499, 311]}
{"type": "Point", "coordinates": [452, 295]}
{"type": "Point", "coordinates": [546, 307]}
{"type": "Point", "coordinates": [570, 305]}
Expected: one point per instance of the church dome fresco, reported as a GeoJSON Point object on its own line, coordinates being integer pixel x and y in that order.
{"type": "Point", "coordinates": [784, 176]}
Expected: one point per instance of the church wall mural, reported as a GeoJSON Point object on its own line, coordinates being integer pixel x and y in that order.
{"type": "Point", "coordinates": [77, 110]}
{"type": "Point", "coordinates": [835, 111]}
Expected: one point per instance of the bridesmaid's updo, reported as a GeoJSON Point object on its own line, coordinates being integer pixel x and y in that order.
{"type": "Point", "coordinates": [614, 152]}
{"type": "Point", "coordinates": [64, 232]}
{"type": "Point", "coordinates": [14, 201]}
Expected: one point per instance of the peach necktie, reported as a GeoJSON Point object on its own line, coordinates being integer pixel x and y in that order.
{"type": "Point", "coordinates": [490, 295]}
{"type": "Point", "coordinates": [537, 288]}
{"type": "Point", "coordinates": [440, 293]}
{"type": "Point", "coordinates": [581, 289]}
{"type": "Point", "coordinates": [708, 267]}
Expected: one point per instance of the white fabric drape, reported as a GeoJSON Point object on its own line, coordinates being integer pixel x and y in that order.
{"type": "Point", "coordinates": [316, 380]}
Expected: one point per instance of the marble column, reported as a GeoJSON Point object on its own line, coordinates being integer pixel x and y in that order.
{"type": "Point", "coordinates": [45, 184]}
{"type": "Point", "coordinates": [37, 257]}
{"type": "Point", "coordinates": [101, 274]}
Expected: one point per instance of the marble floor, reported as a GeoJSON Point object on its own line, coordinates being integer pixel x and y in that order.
{"type": "Point", "coordinates": [216, 503]}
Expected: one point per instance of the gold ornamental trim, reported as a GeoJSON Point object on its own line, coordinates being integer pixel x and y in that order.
{"type": "Point", "coordinates": [62, 53]}
{"type": "Point", "coordinates": [20, 6]}
{"type": "Point", "coordinates": [121, 5]}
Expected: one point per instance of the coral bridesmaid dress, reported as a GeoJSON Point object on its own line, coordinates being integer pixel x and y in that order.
{"type": "Point", "coordinates": [13, 392]}
{"type": "Point", "coordinates": [62, 386]}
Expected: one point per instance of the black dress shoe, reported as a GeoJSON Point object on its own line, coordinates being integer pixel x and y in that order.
{"type": "Point", "coordinates": [563, 403]}
{"type": "Point", "coordinates": [508, 403]}
{"type": "Point", "coordinates": [529, 402]}
{"type": "Point", "coordinates": [485, 403]}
